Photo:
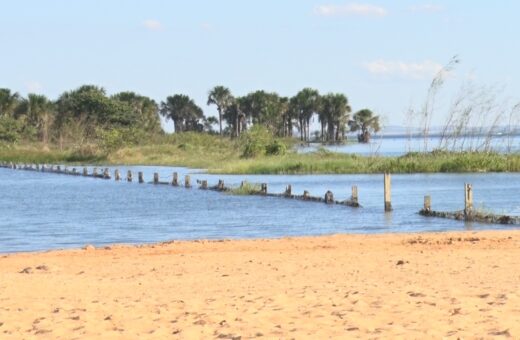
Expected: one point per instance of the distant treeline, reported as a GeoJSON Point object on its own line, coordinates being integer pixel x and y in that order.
{"type": "Point", "coordinates": [86, 113]}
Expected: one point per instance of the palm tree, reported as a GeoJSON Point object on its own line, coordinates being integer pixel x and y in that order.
{"type": "Point", "coordinates": [335, 111]}
{"type": "Point", "coordinates": [8, 102]}
{"type": "Point", "coordinates": [366, 122]}
{"type": "Point", "coordinates": [39, 112]}
{"type": "Point", "coordinates": [306, 102]}
{"type": "Point", "coordinates": [183, 111]}
{"type": "Point", "coordinates": [222, 98]}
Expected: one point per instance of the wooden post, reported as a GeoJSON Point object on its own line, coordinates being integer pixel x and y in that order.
{"type": "Point", "coordinates": [75, 172]}
{"type": "Point", "coordinates": [427, 204]}
{"type": "Point", "coordinates": [288, 191]}
{"type": "Point", "coordinates": [129, 176]}
{"type": "Point", "coordinates": [175, 180]}
{"type": "Point", "coordinates": [106, 174]}
{"type": "Point", "coordinates": [305, 195]}
{"type": "Point", "coordinates": [58, 168]}
{"type": "Point", "coordinates": [329, 197]}
{"type": "Point", "coordinates": [204, 184]}
{"type": "Point", "coordinates": [468, 200]}
{"type": "Point", "coordinates": [94, 172]}
{"type": "Point", "coordinates": [187, 181]}
{"type": "Point", "coordinates": [140, 177]}
{"type": "Point", "coordinates": [85, 172]}
{"type": "Point", "coordinates": [117, 175]}
{"type": "Point", "coordinates": [388, 196]}
{"type": "Point", "coordinates": [37, 167]}
{"type": "Point", "coordinates": [263, 189]}
{"type": "Point", "coordinates": [155, 178]}
{"type": "Point", "coordinates": [220, 185]}
{"type": "Point", "coordinates": [354, 198]}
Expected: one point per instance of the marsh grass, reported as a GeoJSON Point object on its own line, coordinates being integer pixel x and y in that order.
{"type": "Point", "coordinates": [246, 189]}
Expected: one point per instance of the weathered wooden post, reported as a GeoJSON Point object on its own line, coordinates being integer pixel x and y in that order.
{"type": "Point", "coordinates": [354, 198]}
{"type": "Point", "coordinates": [427, 204]}
{"type": "Point", "coordinates": [220, 185]}
{"type": "Point", "coordinates": [58, 168]}
{"type": "Point", "coordinates": [75, 172]}
{"type": "Point", "coordinates": [329, 197]}
{"type": "Point", "coordinates": [106, 174]}
{"type": "Point", "coordinates": [85, 172]}
{"type": "Point", "coordinates": [37, 167]}
{"type": "Point", "coordinates": [187, 181]}
{"type": "Point", "coordinates": [263, 188]}
{"type": "Point", "coordinates": [288, 191]}
{"type": "Point", "coordinates": [155, 178]}
{"type": "Point", "coordinates": [94, 172]}
{"type": "Point", "coordinates": [468, 200]}
{"type": "Point", "coordinates": [175, 180]}
{"type": "Point", "coordinates": [388, 196]}
{"type": "Point", "coordinates": [129, 176]}
{"type": "Point", "coordinates": [305, 195]}
{"type": "Point", "coordinates": [140, 177]}
{"type": "Point", "coordinates": [204, 184]}
{"type": "Point", "coordinates": [117, 175]}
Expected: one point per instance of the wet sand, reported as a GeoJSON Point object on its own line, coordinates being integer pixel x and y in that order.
{"type": "Point", "coordinates": [453, 285]}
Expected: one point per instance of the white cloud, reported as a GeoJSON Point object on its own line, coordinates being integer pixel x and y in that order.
{"type": "Point", "coordinates": [152, 25]}
{"type": "Point", "coordinates": [33, 86]}
{"type": "Point", "coordinates": [415, 70]}
{"type": "Point", "coordinates": [353, 9]}
{"type": "Point", "coordinates": [427, 8]}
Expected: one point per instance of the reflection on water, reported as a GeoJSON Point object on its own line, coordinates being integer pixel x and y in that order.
{"type": "Point", "coordinates": [43, 211]}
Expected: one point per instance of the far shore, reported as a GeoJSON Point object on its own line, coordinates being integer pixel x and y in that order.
{"type": "Point", "coordinates": [420, 285]}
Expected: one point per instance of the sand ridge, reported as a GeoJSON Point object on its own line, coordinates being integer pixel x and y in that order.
{"type": "Point", "coordinates": [436, 285]}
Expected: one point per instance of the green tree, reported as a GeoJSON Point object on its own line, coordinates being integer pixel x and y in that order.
{"type": "Point", "coordinates": [306, 103]}
{"type": "Point", "coordinates": [8, 102]}
{"type": "Point", "coordinates": [145, 109]}
{"type": "Point", "coordinates": [366, 122]}
{"type": "Point", "coordinates": [38, 112]}
{"type": "Point", "coordinates": [222, 98]}
{"type": "Point", "coordinates": [184, 113]}
{"type": "Point", "coordinates": [335, 111]}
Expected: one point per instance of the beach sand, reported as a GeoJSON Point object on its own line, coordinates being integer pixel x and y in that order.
{"type": "Point", "coordinates": [454, 285]}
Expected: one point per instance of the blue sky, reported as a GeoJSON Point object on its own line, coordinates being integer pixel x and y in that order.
{"type": "Point", "coordinates": [381, 54]}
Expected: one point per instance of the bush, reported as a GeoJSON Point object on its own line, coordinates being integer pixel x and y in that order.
{"type": "Point", "coordinates": [276, 148]}
{"type": "Point", "coordinates": [114, 139]}
{"type": "Point", "coordinates": [255, 141]}
{"type": "Point", "coordinates": [10, 129]}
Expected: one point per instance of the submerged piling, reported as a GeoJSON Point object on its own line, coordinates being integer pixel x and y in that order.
{"type": "Point", "coordinates": [354, 197]}
{"type": "Point", "coordinates": [129, 176]}
{"type": "Point", "coordinates": [155, 178]}
{"type": "Point", "coordinates": [140, 177]}
{"type": "Point", "coordinates": [117, 175]}
{"type": "Point", "coordinates": [106, 173]}
{"type": "Point", "coordinates": [288, 191]}
{"type": "Point", "coordinates": [220, 185]}
{"type": "Point", "coordinates": [85, 171]}
{"type": "Point", "coordinates": [329, 197]}
{"type": "Point", "coordinates": [204, 184]}
{"type": "Point", "coordinates": [187, 181]}
{"type": "Point", "coordinates": [263, 189]}
{"type": "Point", "coordinates": [175, 180]}
{"type": "Point", "coordinates": [427, 204]}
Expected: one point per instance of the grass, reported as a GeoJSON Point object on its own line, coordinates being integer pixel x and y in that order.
{"type": "Point", "coordinates": [246, 189]}
{"type": "Point", "coordinates": [222, 155]}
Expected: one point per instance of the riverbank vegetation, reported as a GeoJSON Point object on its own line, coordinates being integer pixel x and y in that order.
{"type": "Point", "coordinates": [254, 135]}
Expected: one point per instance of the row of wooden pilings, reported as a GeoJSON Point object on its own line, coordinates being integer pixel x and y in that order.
{"type": "Point", "coordinates": [466, 214]}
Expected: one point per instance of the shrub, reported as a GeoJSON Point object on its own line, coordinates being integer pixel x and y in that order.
{"type": "Point", "coordinates": [276, 148]}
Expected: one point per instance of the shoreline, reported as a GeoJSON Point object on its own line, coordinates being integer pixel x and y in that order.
{"type": "Point", "coordinates": [412, 285]}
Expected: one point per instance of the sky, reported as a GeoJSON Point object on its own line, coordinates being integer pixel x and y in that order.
{"type": "Point", "coordinates": [381, 54]}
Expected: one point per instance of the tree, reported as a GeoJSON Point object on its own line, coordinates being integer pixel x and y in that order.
{"type": "Point", "coordinates": [184, 113]}
{"type": "Point", "coordinates": [366, 122]}
{"type": "Point", "coordinates": [38, 112]}
{"type": "Point", "coordinates": [306, 103]}
{"type": "Point", "coordinates": [145, 109]}
{"type": "Point", "coordinates": [8, 102]}
{"type": "Point", "coordinates": [335, 111]}
{"type": "Point", "coordinates": [222, 98]}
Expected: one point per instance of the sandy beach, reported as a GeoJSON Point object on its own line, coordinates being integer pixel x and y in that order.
{"type": "Point", "coordinates": [447, 285]}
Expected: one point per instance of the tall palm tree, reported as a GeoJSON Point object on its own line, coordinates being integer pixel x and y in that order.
{"type": "Point", "coordinates": [8, 102]}
{"type": "Point", "coordinates": [183, 111]}
{"type": "Point", "coordinates": [335, 111]}
{"type": "Point", "coordinates": [307, 103]}
{"type": "Point", "coordinates": [366, 122]}
{"type": "Point", "coordinates": [220, 96]}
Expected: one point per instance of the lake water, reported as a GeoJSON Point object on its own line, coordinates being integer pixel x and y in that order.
{"type": "Point", "coordinates": [397, 146]}
{"type": "Point", "coordinates": [46, 211]}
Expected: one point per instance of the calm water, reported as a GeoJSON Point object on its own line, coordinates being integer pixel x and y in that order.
{"type": "Point", "coordinates": [46, 211]}
{"type": "Point", "coordinates": [397, 146]}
